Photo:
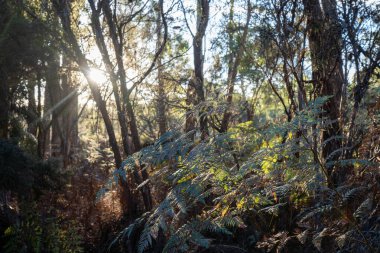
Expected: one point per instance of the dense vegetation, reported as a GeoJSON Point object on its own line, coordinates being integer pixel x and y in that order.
{"type": "Point", "coordinates": [189, 126]}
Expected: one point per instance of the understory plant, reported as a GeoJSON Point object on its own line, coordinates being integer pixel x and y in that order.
{"type": "Point", "coordinates": [246, 187]}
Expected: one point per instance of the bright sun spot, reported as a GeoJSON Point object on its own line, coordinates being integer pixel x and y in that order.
{"type": "Point", "coordinates": [98, 76]}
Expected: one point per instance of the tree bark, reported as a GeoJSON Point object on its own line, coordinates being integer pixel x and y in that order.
{"type": "Point", "coordinates": [69, 115]}
{"type": "Point", "coordinates": [4, 105]}
{"type": "Point", "coordinates": [203, 12]}
{"type": "Point", "coordinates": [44, 124]}
{"type": "Point", "coordinates": [233, 64]}
{"type": "Point", "coordinates": [190, 116]}
{"type": "Point", "coordinates": [55, 97]}
{"type": "Point", "coordinates": [161, 96]}
{"type": "Point", "coordinates": [325, 48]}
{"type": "Point", "coordinates": [32, 109]}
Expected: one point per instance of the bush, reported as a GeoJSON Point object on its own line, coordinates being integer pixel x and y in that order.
{"type": "Point", "coordinates": [34, 233]}
{"type": "Point", "coordinates": [24, 174]}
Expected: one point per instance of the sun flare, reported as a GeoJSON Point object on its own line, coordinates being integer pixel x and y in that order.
{"type": "Point", "coordinates": [98, 76]}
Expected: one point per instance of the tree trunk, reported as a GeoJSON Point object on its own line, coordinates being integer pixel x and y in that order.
{"type": "Point", "coordinates": [126, 198]}
{"type": "Point", "coordinates": [190, 101]}
{"type": "Point", "coordinates": [4, 105]}
{"type": "Point", "coordinates": [118, 48]}
{"type": "Point", "coordinates": [44, 124]}
{"type": "Point", "coordinates": [64, 108]}
{"type": "Point", "coordinates": [233, 63]}
{"type": "Point", "coordinates": [101, 44]}
{"type": "Point", "coordinates": [133, 126]}
{"type": "Point", "coordinates": [63, 12]}
{"type": "Point", "coordinates": [161, 96]}
{"type": "Point", "coordinates": [203, 10]}
{"type": "Point", "coordinates": [69, 116]}
{"type": "Point", "coordinates": [32, 109]}
{"type": "Point", "coordinates": [5, 16]}
{"type": "Point", "coordinates": [325, 48]}
{"type": "Point", "coordinates": [55, 97]}
{"type": "Point", "coordinates": [126, 106]}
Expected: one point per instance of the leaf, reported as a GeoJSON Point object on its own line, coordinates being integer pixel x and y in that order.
{"type": "Point", "coordinates": [145, 239]}
{"type": "Point", "coordinates": [354, 194]}
{"type": "Point", "coordinates": [224, 211]}
{"type": "Point", "coordinates": [274, 210]}
{"type": "Point", "coordinates": [302, 237]}
{"type": "Point", "coordinates": [344, 239]}
{"type": "Point", "coordinates": [364, 209]}
{"type": "Point", "coordinates": [199, 239]}
{"type": "Point", "coordinates": [317, 240]}
{"type": "Point", "coordinates": [325, 209]}
{"type": "Point", "coordinates": [341, 240]}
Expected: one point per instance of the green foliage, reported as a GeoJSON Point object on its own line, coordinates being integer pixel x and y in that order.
{"type": "Point", "coordinates": [252, 168]}
{"type": "Point", "coordinates": [21, 40]}
{"type": "Point", "coordinates": [21, 173]}
{"type": "Point", "coordinates": [35, 233]}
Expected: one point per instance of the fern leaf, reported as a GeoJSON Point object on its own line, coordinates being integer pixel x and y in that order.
{"type": "Point", "coordinates": [364, 209]}
{"type": "Point", "coordinates": [354, 194]}
{"type": "Point", "coordinates": [325, 209]}
{"type": "Point", "coordinates": [145, 240]}
{"type": "Point", "coordinates": [274, 210]}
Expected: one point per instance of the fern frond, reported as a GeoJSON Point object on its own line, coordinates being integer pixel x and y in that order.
{"type": "Point", "coordinates": [274, 210]}
{"type": "Point", "coordinates": [364, 209]}
{"type": "Point", "coordinates": [354, 195]}
{"type": "Point", "coordinates": [145, 240]}
{"type": "Point", "coordinates": [323, 210]}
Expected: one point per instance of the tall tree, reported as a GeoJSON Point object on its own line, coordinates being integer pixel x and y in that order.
{"type": "Point", "coordinates": [235, 56]}
{"type": "Point", "coordinates": [5, 19]}
{"type": "Point", "coordinates": [196, 84]}
{"type": "Point", "coordinates": [365, 57]}
{"type": "Point", "coordinates": [102, 46]}
{"type": "Point", "coordinates": [161, 95]}
{"type": "Point", "coordinates": [4, 105]}
{"type": "Point", "coordinates": [62, 8]}
{"type": "Point", "coordinates": [325, 40]}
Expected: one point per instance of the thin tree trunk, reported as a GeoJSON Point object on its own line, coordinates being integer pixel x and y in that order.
{"type": "Point", "coordinates": [4, 105]}
{"type": "Point", "coordinates": [62, 8]}
{"type": "Point", "coordinates": [5, 16]}
{"type": "Point", "coordinates": [190, 101]}
{"type": "Point", "coordinates": [117, 41]}
{"type": "Point", "coordinates": [44, 124]}
{"type": "Point", "coordinates": [133, 126]}
{"type": "Point", "coordinates": [234, 62]}
{"type": "Point", "coordinates": [100, 41]}
{"type": "Point", "coordinates": [32, 109]}
{"type": "Point", "coordinates": [203, 12]}
{"type": "Point", "coordinates": [40, 130]}
{"type": "Point", "coordinates": [161, 96]}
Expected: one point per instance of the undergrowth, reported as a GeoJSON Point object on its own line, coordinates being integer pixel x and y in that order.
{"type": "Point", "coordinates": [256, 188]}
